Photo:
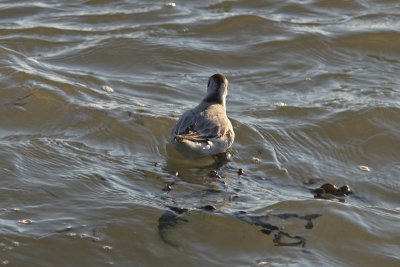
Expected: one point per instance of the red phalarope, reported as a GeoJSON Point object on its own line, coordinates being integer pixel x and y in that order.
{"type": "Point", "coordinates": [205, 130]}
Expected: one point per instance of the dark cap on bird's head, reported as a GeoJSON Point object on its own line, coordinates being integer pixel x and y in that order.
{"type": "Point", "coordinates": [217, 78]}
{"type": "Point", "coordinates": [217, 89]}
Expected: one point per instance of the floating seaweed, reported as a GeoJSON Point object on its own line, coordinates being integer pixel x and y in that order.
{"type": "Point", "coordinates": [331, 191]}
{"type": "Point", "coordinates": [171, 218]}
{"type": "Point", "coordinates": [168, 219]}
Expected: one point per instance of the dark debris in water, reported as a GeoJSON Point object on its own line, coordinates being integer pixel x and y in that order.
{"type": "Point", "coordinates": [50, 193]}
{"type": "Point", "coordinates": [285, 239]}
{"type": "Point", "coordinates": [214, 174]}
{"type": "Point", "coordinates": [167, 188]}
{"type": "Point", "coordinates": [307, 218]}
{"type": "Point", "coordinates": [168, 219]}
{"type": "Point", "coordinates": [280, 238]}
{"type": "Point", "coordinates": [21, 101]}
{"type": "Point", "coordinates": [257, 220]}
{"type": "Point", "coordinates": [175, 215]}
{"type": "Point", "coordinates": [135, 118]}
{"type": "Point", "coordinates": [171, 218]}
{"type": "Point", "coordinates": [331, 191]}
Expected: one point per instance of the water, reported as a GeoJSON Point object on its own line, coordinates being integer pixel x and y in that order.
{"type": "Point", "coordinates": [89, 91]}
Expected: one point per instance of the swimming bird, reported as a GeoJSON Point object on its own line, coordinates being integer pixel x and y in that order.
{"type": "Point", "coordinates": [205, 130]}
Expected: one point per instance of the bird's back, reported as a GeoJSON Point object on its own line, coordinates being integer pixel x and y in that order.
{"type": "Point", "coordinates": [205, 130]}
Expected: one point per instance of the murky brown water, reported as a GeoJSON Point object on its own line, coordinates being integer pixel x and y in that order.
{"type": "Point", "coordinates": [89, 91]}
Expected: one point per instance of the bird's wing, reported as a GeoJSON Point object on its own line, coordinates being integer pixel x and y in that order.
{"type": "Point", "coordinates": [206, 124]}
{"type": "Point", "coordinates": [193, 136]}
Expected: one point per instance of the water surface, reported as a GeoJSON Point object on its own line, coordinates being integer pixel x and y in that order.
{"type": "Point", "coordinates": [89, 91]}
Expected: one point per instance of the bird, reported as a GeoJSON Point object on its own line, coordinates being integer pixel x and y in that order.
{"type": "Point", "coordinates": [205, 130]}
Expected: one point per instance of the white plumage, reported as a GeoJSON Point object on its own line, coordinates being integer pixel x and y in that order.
{"type": "Point", "coordinates": [205, 130]}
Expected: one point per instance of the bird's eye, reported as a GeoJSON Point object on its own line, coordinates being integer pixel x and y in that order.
{"type": "Point", "coordinates": [208, 84]}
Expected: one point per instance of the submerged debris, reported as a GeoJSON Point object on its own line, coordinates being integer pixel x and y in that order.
{"type": "Point", "coordinates": [21, 100]}
{"type": "Point", "coordinates": [170, 219]}
{"type": "Point", "coordinates": [285, 239]}
{"type": "Point", "coordinates": [307, 218]}
{"type": "Point", "coordinates": [280, 238]}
